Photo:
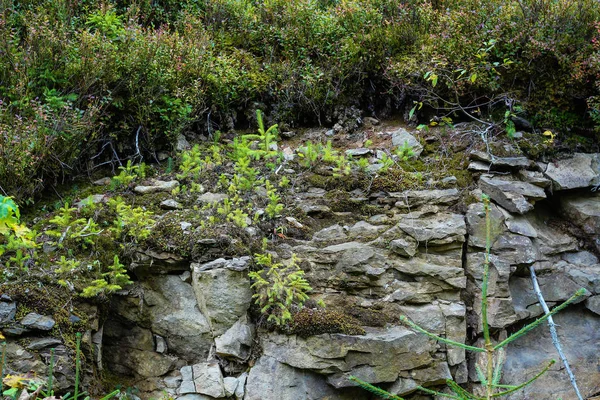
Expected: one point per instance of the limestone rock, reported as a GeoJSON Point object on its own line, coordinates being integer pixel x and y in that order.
{"type": "Point", "coordinates": [401, 136]}
{"type": "Point", "coordinates": [406, 247]}
{"type": "Point", "coordinates": [208, 379]}
{"type": "Point", "coordinates": [170, 204]}
{"type": "Point", "coordinates": [370, 121]}
{"type": "Point", "coordinates": [416, 198]}
{"type": "Point", "coordinates": [148, 262]}
{"type": "Point", "coordinates": [519, 224]}
{"type": "Point", "coordinates": [364, 230]}
{"type": "Point", "coordinates": [534, 177]}
{"type": "Point", "coordinates": [583, 258]}
{"type": "Point", "coordinates": [38, 344]}
{"type": "Point", "coordinates": [314, 209]}
{"type": "Point", "coordinates": [241, 387]}
{"type": "Point", "coordinates": [156, 186]}
{"type": "Point", "coordinates": [479, 166]}
{"type": "Point", "coordinates": [103, 181]}
{"type": "Point", "coordinates": [170, 309]}
{"type": "Point", "coordinates": [432, 375]}
{"type": "Point", "coordinates": [270, 379]}
{"type": "Point", "coordinates": [130, 350]}
{"type": "Point", "coordinates": [515, 196]}
{"type": "Point", "coordinates": [499, 273]}
{"type": "Point", "coordinates": [549, 240]}
{"type": "Point", "coordinates": [376, 357]}
{"type": "Point", "coordinates": [330, 234]}
{"type": "Point", "coordinates": [555, 287]}
{"type": "Point", "coordinates": [358, 152]}
{"type": "Point", "coordinates": [234, 264]}
{"type": "Point", "coordinates": [438, 267]}
{"type": "Point", "coordinates": [437, 229]}
{"type": "Point", "coordinates": [585, 213]}
{"type": "Point", "coordinates": [580, 171]}
{"type": "Point", "coordinates": [593, 304]}
{"type": "Point", "coordinates": [237, 340]}
{"type": "Point", "coordinates": [94, 199]}
{"type": "Point", "coordinates": [224, 295]}
{"type": "Point", "coordinates": [182, 143]}
{"type": "Point", "coordinates": [37, 321]}
{"type": "Point", "coordinates": [476, 224]}
{"type": "Point", "coordinates": [7, 311]}
{"type": "Point", "coordinates": [515, 249]}
{"type": "Point", "coordinates": [230, 385]}
{"type": "Point", "coordinates": [209, 198]}
{"type": "Point", "coordinates": [577, 330]}
{"type": "Point", "coordinates": [507, 162]}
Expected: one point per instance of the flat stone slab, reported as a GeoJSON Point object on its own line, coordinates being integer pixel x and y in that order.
{"type": "Point", "coordinates": [580, 171]}
{"type": "Point", "coordinates": [508, 162]}
{"type": "Point", "coordinates": [156, 186]}
{"type": "Point", "coordinates": [415, 198]}
{"type": "Point", "coordinates": [37, 321]}
{"type": "Point", "coordinates": [515, 196]}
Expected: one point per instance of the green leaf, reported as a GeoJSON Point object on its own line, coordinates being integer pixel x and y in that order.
{"type": "Point", "coordinates": [473, 78]}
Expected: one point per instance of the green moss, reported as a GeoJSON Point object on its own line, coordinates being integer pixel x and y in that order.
{"type": "Point", "coordinates": [309, 322]}
{"type": "Point", "coordinates": [48, 300]}
{"type": "Point", "coordinates": [369, 316]}
{"type": "Point", "coordinates": [341, 201]}
{"type": "Point", "coordinates": [195, 242]}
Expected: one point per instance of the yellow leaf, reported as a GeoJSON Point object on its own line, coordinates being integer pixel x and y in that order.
{"type": "Point", "coordinates": [15, 381]}
{"type": "Point", "coordinates": [21, 230]}
{"type": "Point", "coordinates": [550, 136]}
{"type": "Point", "coordinates": [2, 336]}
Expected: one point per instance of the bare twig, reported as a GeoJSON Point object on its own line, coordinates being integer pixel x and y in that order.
{"type": "Point", "coordinates": [552, 326]}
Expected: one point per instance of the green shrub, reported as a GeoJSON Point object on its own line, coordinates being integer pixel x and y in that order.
{"type": "Point", "coordinates": [279, 288]}
{"type": "Point", "coordinates": [86, 83]}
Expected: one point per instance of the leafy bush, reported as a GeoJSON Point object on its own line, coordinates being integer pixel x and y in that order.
{"type": "Point", "coordinates": [86, 83]}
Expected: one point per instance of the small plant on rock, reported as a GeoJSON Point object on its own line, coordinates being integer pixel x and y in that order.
{"type": "Point", "coordinates": [279, 288]}
{"type": "Point", "coordinates": [14, 236]}
{"type": "Point", "coordinates": [265, 138]}
{"type": "Point", "coordinates": [191, 163]}
{"type": "Point", "coordinates": [134, 222]}
{"type": "Point", "coordinates": [113, 280]}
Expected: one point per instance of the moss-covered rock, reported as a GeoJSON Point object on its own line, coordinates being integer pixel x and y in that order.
{"type": "Point", "coordinates": [309, 322]}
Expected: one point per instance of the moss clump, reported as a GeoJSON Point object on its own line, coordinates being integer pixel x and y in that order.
{"type": "Point", "coordinates": [345, 182]}
{"type": "Point", "coordinates": [309, 322]}
{"type": "Point", "coordinates": [369, 316]}
{"type": "Point", "coordinates": [197, 241]}
{"type": "Point", "coordinates": [341, 201]}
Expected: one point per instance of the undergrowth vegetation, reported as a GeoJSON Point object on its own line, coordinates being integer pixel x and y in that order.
{"type": "Point", "coordinates": [84, 84]}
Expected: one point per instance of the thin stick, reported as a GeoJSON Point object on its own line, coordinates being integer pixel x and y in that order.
{"type": "Point", "coordinates": [552, 326]}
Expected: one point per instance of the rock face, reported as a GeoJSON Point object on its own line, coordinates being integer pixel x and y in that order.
{"type": "Point", "coordinates": [223, 292]}
{"type": "Point", "coordinates": [271, 380]}
{"type": "Point", "coordinates": [579, 171]}
{"type": "Point", "coordinates": [188, 327]}
{"type": "Point", "coordinates": [514, 196]}
{"type": "Point", "coordinates": [584, 211]}
{"type": "Point", "coordinates": [339, 356]}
